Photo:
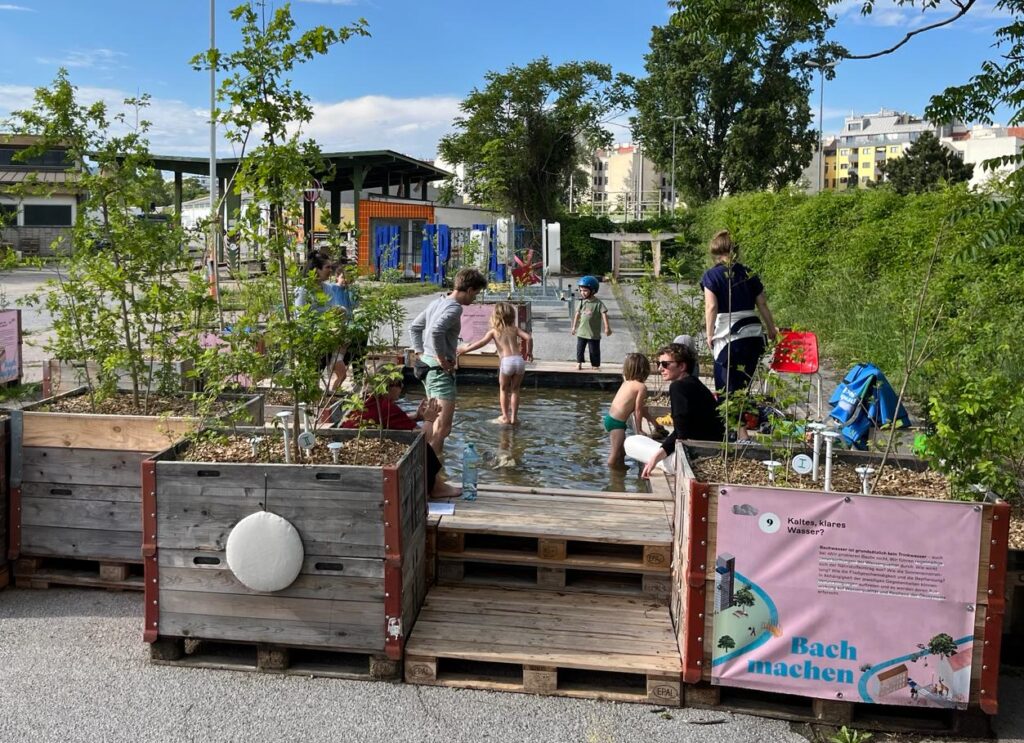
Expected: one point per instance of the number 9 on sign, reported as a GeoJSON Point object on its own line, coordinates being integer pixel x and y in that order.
{"type": "Point", "coordinates": [769, 523]}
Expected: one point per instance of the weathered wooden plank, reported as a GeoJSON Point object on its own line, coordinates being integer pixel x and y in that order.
{"type": "Point", "coordinates": [84, 514]}
{"type": "Point", "coordinates": [364, 636]}
{"type": "Point", "coordinates": [76, 492]}
{"type": "Point", "coordinates": [322, 533]}
{"type": "Point", "coordinates": [85, 544]}
{"type": "Point", "coordinates": [284, 477]}
{"type": "Point", "coordinates": [86, 431]}
{"type": "Point", "coordinates": [326, 565]}
{"type": "Point", "coordinates": [321, 587]}
{"type": "Point", "coordinates": [272, 607]}
{"type": "Point", "coordinates": [82, 466]}
{"type": "Point", "coordinates": [519, 489]}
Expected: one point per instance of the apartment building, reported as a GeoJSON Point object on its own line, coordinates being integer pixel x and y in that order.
{"type": "Point", "coordinates": [868, 140]}
{"type": "Point", "coordinates": [626, 184]}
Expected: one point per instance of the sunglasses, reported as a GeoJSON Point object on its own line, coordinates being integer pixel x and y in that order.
{"type": "Point", "coordinates": [665, 364]}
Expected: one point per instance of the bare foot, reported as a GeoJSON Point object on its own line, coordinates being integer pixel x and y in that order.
{"type": "Point", "coordinates": [579, 367]}
{"type": "Point", "coordinates": [501, 419]}
{"type": "Point", "coordinates": [444, 490]}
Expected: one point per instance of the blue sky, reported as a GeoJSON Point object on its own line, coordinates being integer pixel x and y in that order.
{"type": "Point", "coordinates": [401, 88]}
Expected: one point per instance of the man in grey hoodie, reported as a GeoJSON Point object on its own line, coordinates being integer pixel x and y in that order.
{"type": "Point", "coordinates": [435, 336]}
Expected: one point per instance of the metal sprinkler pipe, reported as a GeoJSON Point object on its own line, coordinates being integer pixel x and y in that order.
{"type": "Point", "coordinates": [285, 417]}
{"type": "Point", "coordinates": [772, 465]}
{"type": "Point", "coordinates": [254, 442]}
{"type": "Point", "coordinates": [865, 473]}
{"type": "Point", "coordinates": [816, 429]}
{"type": "Point", "coordinates": [335, 447]}
{"type": "Point", "coordinates": [830, 437]}
{"type": "Point", "coordinates": [304, 412]}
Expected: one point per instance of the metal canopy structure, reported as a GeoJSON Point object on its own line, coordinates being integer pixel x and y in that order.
{"type": "Point", "coordinates": [352, 171]}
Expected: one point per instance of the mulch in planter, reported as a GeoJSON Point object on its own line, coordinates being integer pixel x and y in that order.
{"type": "Point", "coordinates": [745, 470]}
{"type": "Point", "coordinates": [369, 450]}
{"type": "Point", "coordinates": [123, 403]}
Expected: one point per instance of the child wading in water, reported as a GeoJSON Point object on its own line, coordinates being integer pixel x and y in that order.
{"type": "Point", "coordinates": [630, 400]}
{"type": "Point", "coordinates": [586, 324]}
{"type": "Point", "coordinates": [506, 336]}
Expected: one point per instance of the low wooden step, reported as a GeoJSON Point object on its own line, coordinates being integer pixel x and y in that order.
{"type": "Point", "coordinates": [562, 526]}
{"type": "Point", "coordinates": [543, 642]}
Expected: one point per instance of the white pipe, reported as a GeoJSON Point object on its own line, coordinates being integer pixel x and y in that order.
{"type": "Point", "coordinates": [830, 437]}
{"type": "Point", "coordinates": [284, 417]}
{"type": "Point", "coordinates": [817, 428]}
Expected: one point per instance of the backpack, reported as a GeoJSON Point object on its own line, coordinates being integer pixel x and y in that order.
{"type": "Point", "coordinates": [864, 399]}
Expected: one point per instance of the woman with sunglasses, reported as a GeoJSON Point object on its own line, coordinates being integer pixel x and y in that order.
{"type": "Point", "coordinates": [694, 408]}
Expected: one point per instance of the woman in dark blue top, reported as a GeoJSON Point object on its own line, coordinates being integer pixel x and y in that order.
{"type": "Point", "coordinates": [733, 299]}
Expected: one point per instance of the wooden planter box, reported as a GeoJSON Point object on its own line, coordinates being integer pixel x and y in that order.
{"type": "Point", "coordinates": [697, 552]}
{"type": "Point", "coordinates": [75, 491]}
{"type": "Point", "coordinates": [61, 376]}
{"type": "Point", "coordinates": [363, 579]}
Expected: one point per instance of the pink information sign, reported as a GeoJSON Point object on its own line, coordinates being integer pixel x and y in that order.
{"type": "Point", "coordinates": [476, 320]}
{"type": "Point", "coordinates": [858, 598]}
{"type": "Point", "coordinates": [10, 346]}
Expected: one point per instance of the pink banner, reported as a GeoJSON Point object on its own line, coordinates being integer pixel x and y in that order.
{"type": "Point", "coordinates": [10, 346]}
{"type": "Point", "coordinates": [476, 321]}
{"type": "Point", "coordinates": [859, 598]}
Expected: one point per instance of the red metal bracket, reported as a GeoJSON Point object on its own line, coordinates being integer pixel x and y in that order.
{"type": "Point", "coordinates": [394, 632]}
{"type": "Point", "coordinates": [695, 570]}
{"type": "Point", "coordinates": [150, 630]}
{"type": "Point", "coordinates": [993, 634]}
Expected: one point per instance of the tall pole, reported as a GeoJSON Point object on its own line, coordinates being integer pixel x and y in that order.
{"type": "Point", "coordinates": [672, 205]}
{"type": "Point", "coordinates": [214, 211]}
{"type": "Point", "coordinates": [821, 127]}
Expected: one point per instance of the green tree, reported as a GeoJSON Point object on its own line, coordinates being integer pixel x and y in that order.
{"type": "Point", "coordinates": [120, 299]}
{"type": "Point", "coordinates": [259, 105]}
{"type": "Point", "coordinates": [925, 165]}
{"type": "Point", "coordinates": [524, 134]}
{"type": "Point", "coordinates": [744, 598]}
{"type": "Point", "coordinates": [942, 644]}
{"type": "Point", "coordinates": [725, 642]}
{"type": "Point", "coordinates": [738, 105]}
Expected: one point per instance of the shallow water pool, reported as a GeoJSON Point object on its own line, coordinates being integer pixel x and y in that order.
{"type": "Point", "coordinates": [559, 442]}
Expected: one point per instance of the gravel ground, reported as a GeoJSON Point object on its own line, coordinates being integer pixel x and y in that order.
{"type": "Point", "coordinates": [73, 667]}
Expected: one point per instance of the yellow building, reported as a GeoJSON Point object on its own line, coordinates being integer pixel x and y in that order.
{"type": "Point", "coordinates": [869, 140]}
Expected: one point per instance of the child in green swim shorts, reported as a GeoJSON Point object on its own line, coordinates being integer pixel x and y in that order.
{"type": "Point", "coordinates": [630, 400]}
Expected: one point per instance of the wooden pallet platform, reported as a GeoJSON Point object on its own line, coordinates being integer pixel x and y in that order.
{"type": "Point", "coordinates": [563, 528]}
{"type": "Point", "coordinates": [543, 642]}
{"type": "Point", "coordinates": [512, 569]}
{"type": "Point", "coordinates": [43, 572]}
{"type": "Point", "coordinates": [271, 658]}
{"type": "Point", "coordinates": [971, 722]}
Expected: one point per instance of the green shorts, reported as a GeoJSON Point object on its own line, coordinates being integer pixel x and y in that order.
{"type": "Point", "coordinates": [439, 384]}
{"type": "Point", "coordinates": [613, 424]}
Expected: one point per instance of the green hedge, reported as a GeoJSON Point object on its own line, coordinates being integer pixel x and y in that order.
{"type": "Point", "coordinates": [851, 268]}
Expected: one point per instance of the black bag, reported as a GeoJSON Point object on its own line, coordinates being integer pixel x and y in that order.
{"type": "Point", "coordinates": [420, 370]}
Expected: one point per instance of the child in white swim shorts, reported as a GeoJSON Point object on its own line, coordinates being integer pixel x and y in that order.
{"type": "Point", "coordinates": [508, 338]}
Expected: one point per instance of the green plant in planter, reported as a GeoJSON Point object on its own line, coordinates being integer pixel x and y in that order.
{"type": "Point", "coordinates": [259, 104]}
{"type": "Point", "coordinates": [849, 735]}
{"type": "Point", "coordinates": [122, 298]}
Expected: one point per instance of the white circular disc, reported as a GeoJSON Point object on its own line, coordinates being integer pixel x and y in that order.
{"type": "Point", "coordinates": [265, 552]}
{"type": "Point", "coordinates": [802, 464]}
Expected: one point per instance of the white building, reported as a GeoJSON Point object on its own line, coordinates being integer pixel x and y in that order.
{"type": "Point", "coordinates": [983, 143]}
{"type": "Point", "coordinates": [625, 184]}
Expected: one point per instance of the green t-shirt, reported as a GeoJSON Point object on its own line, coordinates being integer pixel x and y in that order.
{"type": "Point", "coordinates": [590, 318]}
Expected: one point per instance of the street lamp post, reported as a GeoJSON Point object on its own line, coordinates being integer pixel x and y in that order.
{"type": "Point", "coordinates": [821, 127]}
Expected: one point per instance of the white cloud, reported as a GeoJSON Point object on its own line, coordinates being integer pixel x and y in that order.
{"type": "Point", "coordinates": [409, 125]}
{"type": "Point", "coordinates": [5, 6]}
{"type": "Point", "coordinates": [100, 59]}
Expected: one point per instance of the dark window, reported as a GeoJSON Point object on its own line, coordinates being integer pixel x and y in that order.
{"type": "Point", "coordinates": [47, 215]}
{"type": "Point", "coordinates": [49, 159]}
{"type": "Point", "coordinates": [8, 215]}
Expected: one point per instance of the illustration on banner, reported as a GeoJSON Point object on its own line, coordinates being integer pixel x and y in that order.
{"type": "Point", "coordinates": [848, 598]}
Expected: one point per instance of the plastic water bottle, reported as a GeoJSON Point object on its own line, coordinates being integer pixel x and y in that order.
{"type": "Point", "coordinates": [470, 464]}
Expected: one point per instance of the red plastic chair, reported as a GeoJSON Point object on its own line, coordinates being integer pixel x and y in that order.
{"type": "Point", "coordinates": [797, 353]}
